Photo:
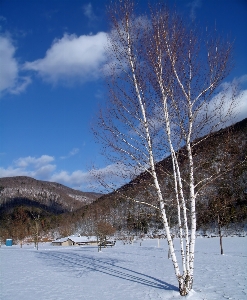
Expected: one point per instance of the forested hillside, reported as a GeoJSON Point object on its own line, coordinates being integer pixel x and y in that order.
{"type": "Point", "coordinates": [55, 197]}
{"type": "Point", "coordinates": [64, 211]}
{"type": "Point", "coordinates": [224, 151]}
{"type": "Point", "coordinates": [23, 199]}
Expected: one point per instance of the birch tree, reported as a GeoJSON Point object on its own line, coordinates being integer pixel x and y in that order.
{"type": "Point", "coordinates": [164, 97]}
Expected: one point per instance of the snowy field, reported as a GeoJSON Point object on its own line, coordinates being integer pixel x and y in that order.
{"type": "Point", "coordinates": [123, 272]}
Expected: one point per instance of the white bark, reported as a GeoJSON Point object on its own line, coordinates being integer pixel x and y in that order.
{"type": "Point", "coordinates": [178, 186]}
{"type": "Point", "coordinates": [190, 245]}
{"type": "Point", "coordinates": [151, 156]}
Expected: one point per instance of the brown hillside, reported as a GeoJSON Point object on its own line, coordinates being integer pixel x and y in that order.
{"type": "Point", "coordinates": [21, 190]}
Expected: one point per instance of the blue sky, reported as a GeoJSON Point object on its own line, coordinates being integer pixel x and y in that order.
{"type": "Point", "coordinates": [51, 83]}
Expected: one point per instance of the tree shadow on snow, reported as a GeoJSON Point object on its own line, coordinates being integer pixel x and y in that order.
{"type": "Point", "coordinates": [81, 265]}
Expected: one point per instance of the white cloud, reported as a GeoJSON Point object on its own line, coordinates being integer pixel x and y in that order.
{"type": "Point", "coordinates": [10, 79]}
{"type": "Point", "coordinates": [39, 167]}
{"type": "Point", "coordinates": [193, 6]}
{"type": "Point", "coordinates": [75, 179]}
{"type": "Point", "coordinates": [24, 81]}
{"type": "Point", "coordinates": [10, 171]}
{"type": "Point", "coordinates": [112, 175]}
{"type": "Point", "coordinates": [3, 19]}
{"type": "Point", "coordinates": [9, 66]}
{"type": "Point", "coordinates": [242, 106]}
{"type": "Point", "coordinates": [88, 11]}
{"type": "Point", "coordinates": [42, 168]}
{"type": "Point", "coordinates": [44, 171]}
{"type": "Point", "coordinates": [73, 152]}
{"type": "Point", "coordinates": [227, 107]}
{"type": "Point", "coordinates": [24, 162]}
{"type": "Point", "coordinates": [72, 58]}
{"type": "Point", "coordinates": [240, 97]}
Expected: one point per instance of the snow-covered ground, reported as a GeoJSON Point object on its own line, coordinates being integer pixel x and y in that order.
{"type": "Point", "coordinates": [123, 272]}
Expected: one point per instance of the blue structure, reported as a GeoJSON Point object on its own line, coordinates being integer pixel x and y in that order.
{"type": "Point", "coordinates": [8, 242]}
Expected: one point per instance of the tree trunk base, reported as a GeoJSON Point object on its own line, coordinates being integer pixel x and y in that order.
{"type": "Point", "coordinates": [185, 285]}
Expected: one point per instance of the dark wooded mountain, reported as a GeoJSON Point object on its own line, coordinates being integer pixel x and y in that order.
{"type": "Point", "coordinates": [54, 197]}
{"type": "Point", "coordinates": [222, 151]}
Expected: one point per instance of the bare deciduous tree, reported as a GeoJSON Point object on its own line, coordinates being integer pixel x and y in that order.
{"type": "Point", "coordinates": [103, 231]}
{"type": "Point", "coordinates": [36, 229]}
{"type": "Point", "coordinates": [164, 95]}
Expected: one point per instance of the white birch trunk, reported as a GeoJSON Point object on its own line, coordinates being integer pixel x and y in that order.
{"type": "Point", "coordinates": [191, 182]}
{"type": "Point", "coordinates": [151, 159]}
{"type": "Point", "coordinates": [178, 188]}
{"type": "Point", "coordinates": [190, 245]}
{"type": "Point", "coordinates": [192, 207]}
{"type": "Point", "coordinates": [159, 73]}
